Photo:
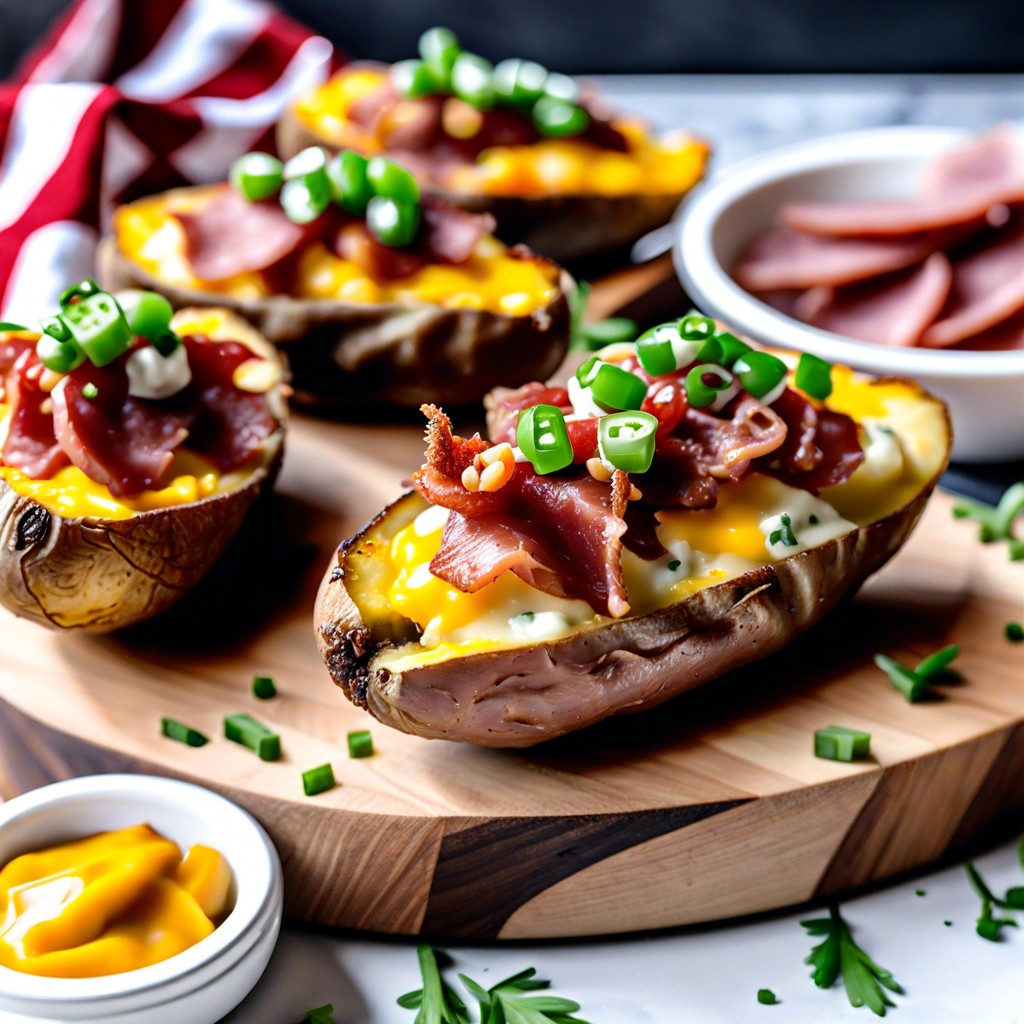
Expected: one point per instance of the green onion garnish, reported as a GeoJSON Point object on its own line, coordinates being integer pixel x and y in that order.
{"type": "Point", "coordinates": [318, 780]}
{"type": "Point", "coordinates": [55, 328]}
{"type": "Point", "coordinates": [766, 997]}
{"type": "Point", "coordinates": [627, 440]}
{"type": "Point", "coordinates": [913, 686]}
{"type": "Point", "coordinates": [89, 390]}
{"type": "Point", "coordinates": [760, 373]}
{"type": "Point", "coordinates": [321, 1015]}
{"type": "Point", "coordinates": [607, 332]}
{"type": "Point", "coordinates": [256, 175]}
{"type": "Point", "coordinates": [732, 348]}
{"type": "Point", "coordinates": [562, 87]}
{"type": "Point", "coordinates": [414, 79]}
{"type": "Point", "coordinates": [97, 326]}
{"type": "Point", "coordinates": [996, 524]}
{"type": "Point", "coordinates": [542, 437]}
{"type": "Point", "coordinates": [837, 743]}
{"type": "Point", "coordinates": [1014, 632]}
{"type": "Point", "coordinates": [472, 80]}
{"type": "Point", "coordinates": [350, 188]}
{"type": "Point", "coordinates": [784, 535]}
{"type": "Point", "coordinates": [674, 564]}
{"type": "Point", "coordinates": [264, 687]}
{"type": "Point", "coordinates": [937, 665]}
{"type": "Point", "coordinates": [6, 325]}
{"type": "Point", "coordinates": [557, 119]}
{"type": "Point", "coordinates": [147, 313]}
{"type": "Point", "coordinates": [175, 730]}
{"type": "Point", "coordinates": [391, 180]}
{"type": "Point", "coordinates": [82, 290]}
{"type": "Point", "coordinates": [360, 743]}
{"type": "Point", "coordinates": [694, 327]}
{"type": "Point", "coordinates": [814, 376]}
{"type": "Point", "coordinates": [244, 729]}
{"type": "Point", "coordinates": [612, 386]}
{"type": "Point", "coordinates": [305, 199]}
{"type": "Point", "coordinates": [393, 222]}
{"type": "Point", "coordinates": [703, 383]}
{"type": "Point", "coordinates": [439, 48]}
{"type": "Point", "coordinates": [165, 343]}
{"type": "Point", "coordinates": [59, 356]}
{"type": "Point", "coordinates": [519, 82]}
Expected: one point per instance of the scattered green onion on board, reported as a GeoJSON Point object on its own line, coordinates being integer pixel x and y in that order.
{"type": "Point", "coordinates": [360, 743]}
{"type": "Point", "coordinates": [766, 997]}
{"type": "Point", "coordinates": [996, 523]}
{"type": "Point", "coordinates": [264, 687]}
{"type": "Point", "coordinates": [245, 730]}
{"type": "Point", "coordinates": [837, 743]}
{"type": "Point", "coordinates": [1014, 632]}
{"type": "Point", "coordinates": [915, 683]}
{"type": "Point", "coordinates": [318, 780]}
{"type": "Point", "coordinates": [175, 730]}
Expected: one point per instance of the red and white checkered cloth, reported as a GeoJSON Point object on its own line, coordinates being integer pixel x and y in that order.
{"type": "Point", "coordinates": [125, 98]}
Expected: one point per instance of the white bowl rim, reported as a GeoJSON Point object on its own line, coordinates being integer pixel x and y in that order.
{"type": "Point", "coordinates": [707, 282]}
{"type": "Point", "coordinates": [253, 904]}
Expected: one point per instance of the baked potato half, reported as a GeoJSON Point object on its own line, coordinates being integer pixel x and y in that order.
{"type": "Point", "coordinates": [73, 555]}
{"type": "Point", "coordinates": [445, 333]}
{"type": "Point", "coordinates": [510, 664]}
{"type": "Point", "coordinates": [564, 197]}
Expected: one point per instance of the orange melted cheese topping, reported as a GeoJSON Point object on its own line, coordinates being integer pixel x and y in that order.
{"type": "Point", "coordinates": [669, 166]}
{"type": "Point", "coordinates": [492, 280]}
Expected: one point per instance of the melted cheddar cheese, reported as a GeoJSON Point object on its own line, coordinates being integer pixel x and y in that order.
{"type": "Point", "coordinates": [904, 442]}
{"type": "Point", "coordinates": [151, 236]}
{"type": "Point", "coordinates": [651, 166]}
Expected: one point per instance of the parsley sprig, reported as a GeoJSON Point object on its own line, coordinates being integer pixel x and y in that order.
{"type": "Point", "coordinates": [915, 683]}
{"type": "Point", "coordinates": [989, 926]}
{"type": "Point", "coordinates": [996, 524]}
{"type": "Point", "coordinates": [508, 1002]}
{"type": "Point", "coordinates": [839, 954]}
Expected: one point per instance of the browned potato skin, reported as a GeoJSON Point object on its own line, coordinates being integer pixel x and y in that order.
{"type": "Point", "coordinates": [404, 355]}
{"type": "Point", "coordinates": [98, 575]}
{"type": "Point", "coordinates": [562, 227]}
{"type": "Point", "coordinates": [526, 695]}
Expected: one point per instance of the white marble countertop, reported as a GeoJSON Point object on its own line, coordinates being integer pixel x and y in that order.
{"type": "Point", "coordinates": [711, 975]}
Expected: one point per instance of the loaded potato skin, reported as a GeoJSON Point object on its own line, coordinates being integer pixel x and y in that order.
{"type": "Point", "coordinates": [98, 573]}
{"type": "Point", "coordinates": [514, 690]}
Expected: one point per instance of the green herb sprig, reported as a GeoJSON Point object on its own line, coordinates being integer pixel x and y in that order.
{"type": "Point", "coordinates": [996, 524]}
{"type": "Point", "coordinates": [915, 683]}
{"type": "Point", "coordinates": [989, 926]}
{"type": "Point", "coordinates": [508, 1002]}
{"type": "Point", "coordinates": [590, 337]}
{"type": "Point", "coordinates": [838, 954]}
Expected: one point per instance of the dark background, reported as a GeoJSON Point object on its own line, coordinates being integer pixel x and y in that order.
{"type": "Point", "coordinates": [654, 35]}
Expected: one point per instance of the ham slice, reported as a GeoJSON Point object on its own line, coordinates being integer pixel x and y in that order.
{"type": "Point", "coordinates": [230, 235]}
{"type": "Point", "coordinates": [893, 311]}
{"type": "Point", "coordinates": [783, 258]}
{"type": "Point", "coordinates": [30, 445]}
{"type": "Point", "coordinates": [987, 288]}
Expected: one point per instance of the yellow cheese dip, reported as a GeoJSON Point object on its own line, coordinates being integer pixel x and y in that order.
{"type": "Point", "coordinates": [110, 903]}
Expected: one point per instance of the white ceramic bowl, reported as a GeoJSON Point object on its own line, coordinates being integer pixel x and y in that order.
{"type": "Point", "coordinates": [198, 986]}
{"type": "Point", "coordinates": [984, 390]}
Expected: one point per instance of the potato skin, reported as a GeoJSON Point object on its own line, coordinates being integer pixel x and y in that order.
{"type": "Point", "coordinates": [98, 575]}
{"type": "Point", "coordinates": [526, 695]}
{"type": "Point", "coordinates": [404, 355]}
{"type": "Point", "coordinates": [561, 227]}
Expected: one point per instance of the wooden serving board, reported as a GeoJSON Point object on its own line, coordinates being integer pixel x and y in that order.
{"type": "Point", "coordinates": [708, 808]}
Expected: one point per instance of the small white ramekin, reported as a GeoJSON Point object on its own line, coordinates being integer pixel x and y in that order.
{"type": "Point", "coordinates": [984, 390]}
{"type": "Point", "coordinates": [198, 986]}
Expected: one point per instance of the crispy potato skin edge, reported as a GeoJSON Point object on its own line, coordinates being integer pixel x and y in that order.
{"type": "Point", "coordinates": [562, 227]}
{"type": "Point", "coordinates": [396, 354]}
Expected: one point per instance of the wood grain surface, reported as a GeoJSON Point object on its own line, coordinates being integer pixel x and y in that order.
{"type": "Point", "coordinates": [710, 807]}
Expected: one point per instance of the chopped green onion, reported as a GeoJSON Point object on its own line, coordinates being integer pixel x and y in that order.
{"type": "Point", "coordinates": [58, 330]}
{"type": "Point", "coordinates": [674, 564]}
{"type": "Point", "coordinates": [391, 180]}
{"type": "Point", "coordinates": [148, 314]}
{"type": "Point", "coordinates": [542, 437]}
{"type": "Point", "coordinates": [264, 687]}
{"type": "Point", "coordinates": [814, 376]}
{"type": "Point", "coordinates": [996, 523]}
{"type": "Point", "coordinates": [766, 997]}
{"type": "Point", "coordinates": [611, 385]}
{"type": "Point", "coordinates": [6, 325]}
{"type": "Point", "coordinates": [711, 352]}
{"type": "Point", "coordinates": [392, 222]}
{"type": "Point", "coordinates": [320, 1015]}
{"type": "Point", "coordinates": [310, 161]}
{"type": "Point", "coordinates": [937, 663]}
{"type": "Point", "coordinates": [732, 348]}
{"type": "Point", "coordinates": [908, 682]}
{"type": "Point", "coordinates": [472, 80]}
{"type": "Point", "coordinates": [627, 440]}
{"type": "Point", "coordinates": [519, 82]}
{"type": "Point", "coordinates": [89, 390]}
{"type": "Point", "coordinates": [175, 730]}
{"type": "Point", "coordinates": [82, 290]}
{"type": "Point", "coordinates": [166, 343]}
{"type": "Point", "coordinates": [97, 325]}
{"type": "Point", "coordinates": [760, 373]}
{"type": "Point", "coordinates": [439, 48]}
{"type": "Point", "coordinates": [360, 743]}
{"type": "Point", "coordinates": [244, 729]}
{"type": "Point", "coordinates": [59, 356]}
{"type": "Point", "coordinates": [694, 327]}
{"type": "Point", "coordinates": [562, 87]}
{"type": "Point", "coordinates": [920, 892]}
{"type": "Point", "coordinates": [703, 384]}
{"type": "Point", "coordinates": [1014, 632]}
{"type": "Point", "coordinates": [256, 175]}
{"type": "Point", "coordinates": [414, 79]}
{"type": "Point", "coordinates": [522, 619]}
{"type": "Point", "coordinates": [608, 332]}
{"type": "Point", "coordinates": [558, 119]}
{"type": "Point", "coordinates": [305, 199]}
{"type": "Point", "coordinates": [784, 535]}
{"type": "Point", "coordinates": [318, 780]}
{"type": "Point", "coordinates": [350, 188]}
{"type": "Point", "coordinates": [661, 350]}
{"type": "Point", "coordinates": [837, 743]}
